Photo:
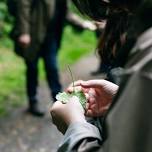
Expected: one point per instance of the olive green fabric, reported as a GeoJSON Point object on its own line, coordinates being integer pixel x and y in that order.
{"type": "Point", "coordinates": [128, 124]}
{"type": "Point", "coordinates": [34, 17]}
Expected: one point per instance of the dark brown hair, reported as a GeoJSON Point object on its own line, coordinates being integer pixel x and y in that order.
{"type": "Point", "coordinates": [126, 20]}
{"type": "Point", "coordinates": [97, 10]}
{"type": "Point", "coordinates": [118, 14]}
{"type": "Point", "coordinates": [114, 36]}
{"type": "Point", "coordinates": [100, 9]}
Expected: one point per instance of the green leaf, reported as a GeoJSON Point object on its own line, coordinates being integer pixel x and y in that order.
{"type": "Point", "coordinates": [82, 98]}
{"type": "Point", "coordinates": [65, 97]}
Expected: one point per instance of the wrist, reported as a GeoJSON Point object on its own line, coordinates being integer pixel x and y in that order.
{"type": "Point", "coordinates": [77, 120]}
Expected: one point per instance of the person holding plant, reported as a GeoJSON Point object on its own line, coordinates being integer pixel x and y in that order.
{"type": "Point", "coordinates": [127, 126]}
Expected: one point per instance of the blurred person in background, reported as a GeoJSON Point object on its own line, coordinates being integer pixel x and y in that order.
{"type": "Point", "coordinates": [126, 125]}
{"type": "Point", "coordinates": [65, 16]}
{"type": "Point", "coordinates": [34, 38]}
{"type": "Point", "coordinates": [37, 33]}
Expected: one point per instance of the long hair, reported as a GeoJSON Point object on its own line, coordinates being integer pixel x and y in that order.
{"type": "Point", "coordinates": [96, 10]}
{"type": "Point", "coordinates": [100, 9]}
{"type": "Point", "coordinates": [114, 36]}
{"type": "Point", "coordinates": [118, 14]}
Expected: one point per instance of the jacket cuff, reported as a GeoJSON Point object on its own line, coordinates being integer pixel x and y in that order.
{"type": "Point", "coordinates": [77, 132]}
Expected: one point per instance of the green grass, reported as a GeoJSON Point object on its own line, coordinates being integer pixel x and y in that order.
{"type": "Point", "coordinates": [12, 79]}
{"type": "Point", "coordinates": [74, 46]}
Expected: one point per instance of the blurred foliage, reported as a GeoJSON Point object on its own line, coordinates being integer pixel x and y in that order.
{"type": "Point", "coordinates": [5, 19]}
{"type": "Point", "coordinates": [12, 78]}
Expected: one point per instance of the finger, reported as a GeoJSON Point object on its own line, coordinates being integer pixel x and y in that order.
{"type": "Point", "coordinates": [87, 106]}
{"type": "Point", "coordinates": [72, 89]}
{"type": "Point", "coordinates": [93, 106]}
{"type": "Point", "coordinates": [91, 101]}
{"type": "Point", "coordinates": [86, 95]}
{"type": "Point", "coordinates": [92, 93]}
{"type": "Point", "coordinates": [55, 106]}
{"type": "Point", "coordinates": [92, 84]}
{"type": "Point", "coordinates": [76, 83]}
{"type": "Point", "coordinates": [89, 113]}
{"type": "Point", "coordinates": [85, 90]}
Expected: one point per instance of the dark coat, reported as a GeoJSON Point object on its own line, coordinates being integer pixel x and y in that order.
{"type": "Point", "coordinates": [34, 17]}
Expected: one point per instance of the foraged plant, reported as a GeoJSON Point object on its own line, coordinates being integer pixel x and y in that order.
{"type": "Point", "coordinates": [64, 97]}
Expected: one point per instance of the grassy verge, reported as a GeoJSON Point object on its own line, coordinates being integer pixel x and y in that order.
{"type": "Point", "coordinates": [75, 45]}
{"type": "Point", "coordinates": [12, 80]}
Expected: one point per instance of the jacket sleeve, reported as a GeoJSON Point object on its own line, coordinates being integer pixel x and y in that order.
{"type": "Point", "coordinates": [128, 124]}
{"type": "Point", "coordinates": [81, 137]}
{"type": "Point", "coordinates": [23, 16]}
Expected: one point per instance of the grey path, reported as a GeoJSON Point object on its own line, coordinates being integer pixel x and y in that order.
{"type": "Point", "coordinates": [21, 132]}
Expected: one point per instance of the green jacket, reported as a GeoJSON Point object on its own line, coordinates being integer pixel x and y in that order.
{"type": "Point", "coordinates": [34, 17]}
{"type": "Point", "coordinates": [128, 125]}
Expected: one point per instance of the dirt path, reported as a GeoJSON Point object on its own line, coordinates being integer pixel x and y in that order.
{"type": "Point", "coordinates": [21, 132]}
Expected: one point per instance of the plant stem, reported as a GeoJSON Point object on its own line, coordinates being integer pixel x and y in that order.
{"type": "Point", "coordinates": [72, 78]}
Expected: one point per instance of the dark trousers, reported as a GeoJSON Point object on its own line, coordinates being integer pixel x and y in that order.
{"type": "Point", "coordinates": [48, 53]}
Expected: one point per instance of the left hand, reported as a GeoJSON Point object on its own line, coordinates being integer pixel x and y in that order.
{"type": "Point", "coordinates": [65, 114]}
{"type": "Point", "coordinates": [99, 94]}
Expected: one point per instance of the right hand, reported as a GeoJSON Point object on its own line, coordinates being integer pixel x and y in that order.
{"type": "Point", "coordinates": [99, 93]}
{"type": "Point", "coordinates": [24, 40]}
{"type": "Point", "coordinates": [65, 114]}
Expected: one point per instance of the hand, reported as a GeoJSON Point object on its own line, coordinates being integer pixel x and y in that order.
{"type": "Point", "coordinates": [99, 94]}
{"type": "Point", "coordinates": [100, 25]}
{"type": "Point", "coordinates": [89, 25]}
{"type": "Point", "coordinates": [24, 40]}
{"type": "Point", "coordinates": [65, 114]}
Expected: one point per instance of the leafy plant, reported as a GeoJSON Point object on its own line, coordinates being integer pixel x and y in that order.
{"type": "Point", "coordinates": [64, 97]}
